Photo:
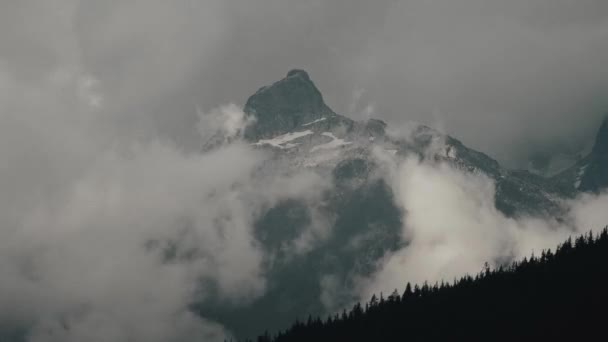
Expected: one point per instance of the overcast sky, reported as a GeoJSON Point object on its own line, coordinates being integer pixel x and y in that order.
{"type": "Point", "coordinates": [512, 78]}
{"type": "Point", "coordinates": [99, 112]}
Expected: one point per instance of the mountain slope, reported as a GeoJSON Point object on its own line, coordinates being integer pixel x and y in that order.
{"type": "Point", "coordinates": [355, 221]}
{"type": "Point", "coordinates": [555, 297]}
{"type": "Point", "coordinates": [590, 174]}
{"type": "Point", "coordinates": [292, 118]}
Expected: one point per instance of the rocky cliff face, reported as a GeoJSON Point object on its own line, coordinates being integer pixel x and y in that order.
{"type": "Point", "coordinates": [285, 106]}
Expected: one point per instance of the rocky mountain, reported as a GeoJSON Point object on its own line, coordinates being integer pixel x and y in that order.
{"type": "Point", "coordinates": [293, 119]}
{"type": "Point", "coordinates": [293, 124]}
{"type": "Point", "coordinates": [590, 174]}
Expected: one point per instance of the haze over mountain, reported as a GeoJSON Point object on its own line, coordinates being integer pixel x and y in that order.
{"type": "Point", "coordinates": [356, 220]}
{"type": "Point", "coordinates": [288, 209]}
{"type": "Point", "coordinates": [516, 80]}
{"type": "Point", "coordinates": [149, 193]}
{"type": "Point", "coordinates": [535, 296]}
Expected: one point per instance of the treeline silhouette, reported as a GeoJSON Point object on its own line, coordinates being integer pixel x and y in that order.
{"type": "Point", "coordinates": [559, 295]}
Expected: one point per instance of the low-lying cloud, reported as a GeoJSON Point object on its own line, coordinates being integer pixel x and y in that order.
{"type": "Point", "coordinates": [107, 238]}
{"type": "Point", "coordinates": [451, 226]}
{"type": "Point", "coordinates": [117, 250]}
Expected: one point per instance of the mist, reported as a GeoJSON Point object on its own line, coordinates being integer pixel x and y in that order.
{"type": "Point", "coordinates": [115, 214]}
{"type": "Point", "coordinates": [452, 228]}
{"type": "Point", "coordinates": [523, 81]}
{"type": "Point", "coordinates": [113, 239]}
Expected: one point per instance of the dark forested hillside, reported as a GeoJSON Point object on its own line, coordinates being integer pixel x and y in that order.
{"type": "Point", "coordinates": [558, 295]}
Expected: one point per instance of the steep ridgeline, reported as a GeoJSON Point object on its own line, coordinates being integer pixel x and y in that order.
{"type": "Point", "coordinates": [362, 221]}
{"type": "Point", "coordinates": [293, 119]}
{"type": "Point", "coordinates": [287, 106]}
{"type": "Point", "coordinates": [590, 174]}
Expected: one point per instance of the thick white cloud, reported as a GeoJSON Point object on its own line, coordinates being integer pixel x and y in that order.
{"type": "Point", "coordinates": [108, 239]}
{"type": "Point", "coordinates": [451, 226]}
{"type": "Point", "coordinates": [104, 237]}
{"type": "Point", "coordinates": [588, 211]}
{"type": "Point", "coordinates": [86, 225]}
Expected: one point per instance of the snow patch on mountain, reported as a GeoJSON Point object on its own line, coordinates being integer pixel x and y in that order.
{"type": "Point", "coordinates": [284, 141]}
{"type": "Point", "coordinates": [314, 122]}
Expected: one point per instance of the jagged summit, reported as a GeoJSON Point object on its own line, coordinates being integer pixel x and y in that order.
{"type": "Point", "coordinates": [298, 73]}
{"type": "Point", "coordinates": [292, 118]}
{"type": "Point", "coordinates": [298, 131]}
{"type": "Point", "coordinates": [285, 105]}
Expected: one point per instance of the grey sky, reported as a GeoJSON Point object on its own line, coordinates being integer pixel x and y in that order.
{"type": "Point", "coordinates": [508, 77]}
{"type": "Point", "coordinates": [99, 111]}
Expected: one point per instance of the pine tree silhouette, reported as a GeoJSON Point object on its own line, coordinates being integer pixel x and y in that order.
{"type": "Point", "coordinates": [560, 295]}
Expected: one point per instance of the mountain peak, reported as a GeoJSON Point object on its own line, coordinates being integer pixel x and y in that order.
{"type": "Point", "coordinates": [298, 73]}
{"type": "Point", "coordinates": [285, 105]}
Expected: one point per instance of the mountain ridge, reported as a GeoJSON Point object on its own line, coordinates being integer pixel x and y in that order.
{"type": "Point", "coordinates": [282, 110]}
{"type": "Point", "coordinates": [299, 132]}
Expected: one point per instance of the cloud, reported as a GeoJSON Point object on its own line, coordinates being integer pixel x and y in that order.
{"type": "Point", "coordinates": [222, 125]}
{"type": "Point", "coordinates": [107, 237]}
{"type": "Point", "coordinates": [587, 211]}
{"type": "Point", "coordinates": [331, 290]}
{"type": "Point", "coordinates": [117, 248]}
{"type": "Point", "coordinates": [452, 228]}
{"type": "Point", "coordinates": [516, 80]}
{"type": "Point", "coordinates": [112, 221]}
